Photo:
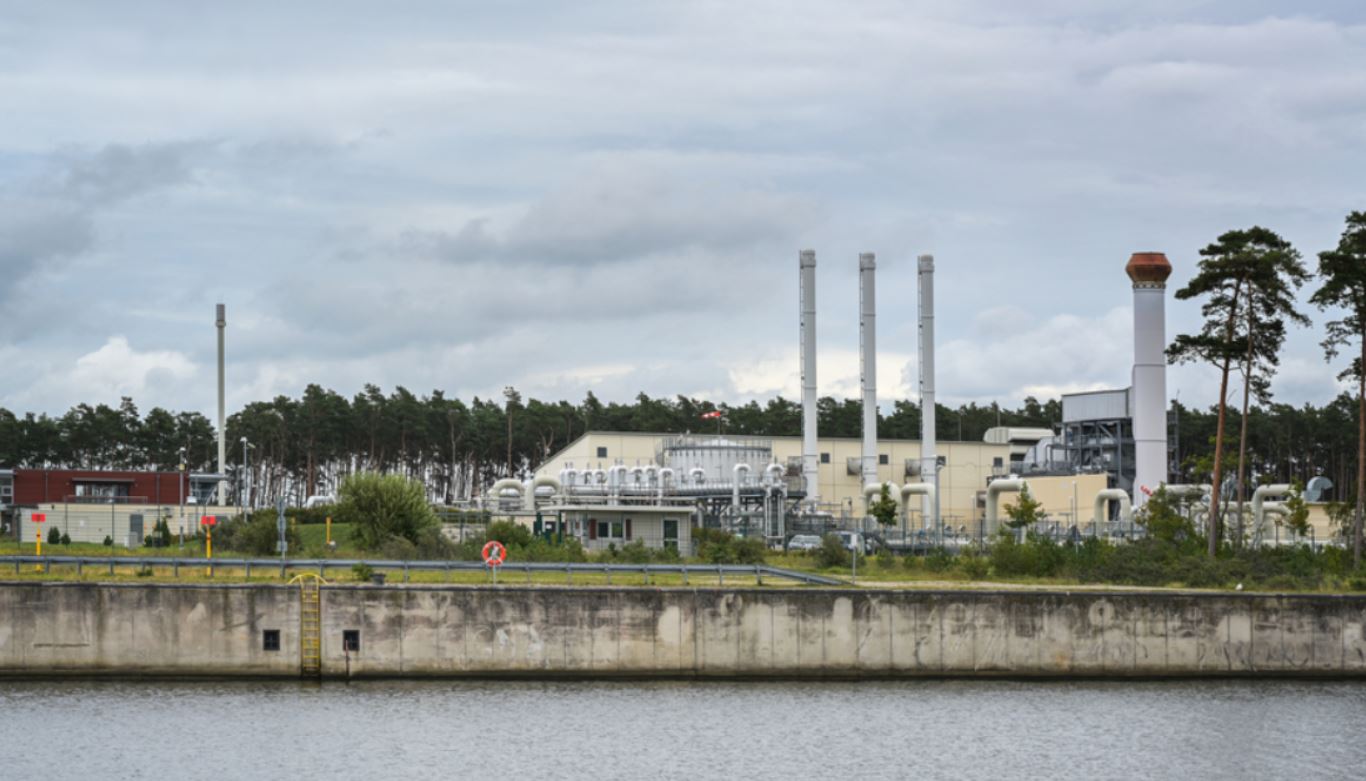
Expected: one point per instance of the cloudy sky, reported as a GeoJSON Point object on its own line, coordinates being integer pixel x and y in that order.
{"type": "Point", "coordinates": [611, 195]}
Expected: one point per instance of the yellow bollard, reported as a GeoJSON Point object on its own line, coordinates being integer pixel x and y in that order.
{"type": "Point", "coordinates": [329, 531]}
{"type": "Point", "coordinates": [208, 549]}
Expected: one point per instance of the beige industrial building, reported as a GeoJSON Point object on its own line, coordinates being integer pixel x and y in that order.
{"type": "Point", "coordinates": [966, 468]}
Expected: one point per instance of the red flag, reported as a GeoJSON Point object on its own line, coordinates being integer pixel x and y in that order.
{"type": "Point", "coordinates": [711, 415]}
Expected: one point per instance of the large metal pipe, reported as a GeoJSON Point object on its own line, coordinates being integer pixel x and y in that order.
{"type": "Point", "coordinates": [867, 329]}
{"type": "Point", "coordinates": [1259, 503]}
{"type": "Point", "coordinates": [872, 490]}
{"type": "Point", "coordinates": [924, 489]}
{"type": "Point", "coordinates": [929, 459]}
{"type": "Point", "coordinates": [735, 487]}
{"type": "Point", "coordinates": [994, 492]}
{"type": "Point", "coordinates": [1149, 272]}
{"type": "Point", "coordinates": [1100, 513]}
{"type": "Point", "coordinates": [806, 263]}
{"type": "Point", "coordinates": [222, 323]}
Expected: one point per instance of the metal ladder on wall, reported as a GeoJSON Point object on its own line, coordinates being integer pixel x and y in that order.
{"type": "Point", "coordinates": [310, 624]}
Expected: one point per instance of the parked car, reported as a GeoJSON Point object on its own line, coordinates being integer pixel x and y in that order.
{"type": "Point", "coordinates": [803, 542]}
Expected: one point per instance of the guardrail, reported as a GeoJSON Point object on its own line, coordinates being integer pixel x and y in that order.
{"type": "Point", "coordinates": [283, 566]}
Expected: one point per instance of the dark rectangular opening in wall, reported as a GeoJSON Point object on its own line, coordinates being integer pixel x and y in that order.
{"type": "Point", "coordinates": [270, 640]}
{"type": "Point", "coordinates": [825, 458]}
{"type": "Point", "coordinates": [351, 640]}
{"type": "Point", "coordinates": [883, 459]}
{"type": "Point", "coordinates": [602, 452]}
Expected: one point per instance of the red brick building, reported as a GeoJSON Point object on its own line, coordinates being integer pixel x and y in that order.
{"type": "Point", "coordinates": [50, 486]}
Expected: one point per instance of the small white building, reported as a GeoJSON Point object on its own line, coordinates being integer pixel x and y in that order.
{"type": "Point", "coordinates": [599, 526]}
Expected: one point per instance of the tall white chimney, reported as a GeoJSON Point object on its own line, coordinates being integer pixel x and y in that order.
{"type": "Point", "coordinates": [867, 331]}
{"type": "Point", "coordinates": [222, 323]}
{"type": "Point", "coordinates": [929, 459]}
{"type": "Point", "coordinates": [1149, 272]}
{"type": "Point", "coordinates": [806, 263]}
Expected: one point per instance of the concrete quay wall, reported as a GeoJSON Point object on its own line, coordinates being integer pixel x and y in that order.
{"type": "Point", "coordinates": [452, 631]}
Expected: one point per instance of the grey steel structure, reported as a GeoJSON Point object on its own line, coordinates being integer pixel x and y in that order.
{"type": "Point", "coordinates": [867, 329]}
{"type": "Point", "coordinates": [222, 323]}
{"type": "Point", "coordinates": [806, 263]}
{"type": "Point", "coordinates": [929, 460]}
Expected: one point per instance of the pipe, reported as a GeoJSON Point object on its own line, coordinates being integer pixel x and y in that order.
{"type": "Point", "coordinates": [871, 489]}
{"type": "Point", "coordinates": [651, 474]}
{"type": "Point", "coordinates": [994, 491]}
{"type": "Point", "coordinates": [924, 489]}
{"type": "Point", "coordinates": [615, 477]}
{"type": "Point", "coordinates": [1259, 501]}
{"type": "Point", "coordinates": [665, 476]}
{"type": "Point", "coordinates": [698, 475]}
{"type": "Point", "coordinates": [735, 488]}
{"type": "Point", "coordinates": [929, 459]}
{"type": "Point", "coordinates": [770, 476]}
{"type": "Point", "coordinates": [222, 322]}
{"type": "Point", "coordinates": [867, 329]}
{"type": "Point", "coordinates": [1103, 499]}
{"type": "Point", "coordinates": [599, 476]}
{"type": "Point", "coordinates": [495, 491]}
{"type": "Point", "coordinates": [1183, 490]}
{"type": "Point", "coordinates": [806, 262]}
{"type": "Point", "coordinates": [637, 474]}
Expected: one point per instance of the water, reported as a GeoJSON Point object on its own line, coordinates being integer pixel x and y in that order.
{"type": "Point", "coordinates": [457, 730]}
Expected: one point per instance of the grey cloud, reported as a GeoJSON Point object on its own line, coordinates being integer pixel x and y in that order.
{"type": "Point", "coordinates": [118, 172]}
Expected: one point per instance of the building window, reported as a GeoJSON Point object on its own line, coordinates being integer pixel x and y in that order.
{"type": "Point", "coordinates": [997, 462]}
{"type": "Point", "coordinates": [351, 640]}
{"type": "Point", "coordinates": [270, 640]}
{"type": "Point", "coordinates": [825, 458]}
{"type": "Point", "coordinates": [602, 452]}
{"type": "Point", "coordinates": [884, 459]}
{"type": "Point", "coordinates": [612, 530]}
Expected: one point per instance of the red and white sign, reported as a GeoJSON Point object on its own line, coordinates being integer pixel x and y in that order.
{"type": "Point", "coordinates": [208, 520]}
{"type": "Point", "coordinates": [494, 553]}
{"type": "Point", "coordinates": [39, 517]}
{"type": "Point", "coordinates": [711, 415]}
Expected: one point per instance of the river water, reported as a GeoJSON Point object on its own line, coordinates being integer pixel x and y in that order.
{"type": "Point", "coordinates": [458, 730]}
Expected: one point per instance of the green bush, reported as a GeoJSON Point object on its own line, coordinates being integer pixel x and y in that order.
{"type": "Point", "coordinates": [832, 553]}
{"type": "Point", "coordinates": [108, 541]}
{"type": "Point", "coordinates": [257, 536]}
{"type": "Point", "coordinates": [636, 553]}
{"type": "Point", "coordinates": [362, 571]}
{"type": "Point", "coordinates": [973, 565]}
{"type": "Point", "coordinates": [66, 538]}
{"type": "Point", "coordinates": [885, 558]}
{"type": "Point", "coordinates": [937, 559]}
{"type": "Point", "coordinates": [54, 536]}
{"type": "Point", "coordinates": [383, 506]}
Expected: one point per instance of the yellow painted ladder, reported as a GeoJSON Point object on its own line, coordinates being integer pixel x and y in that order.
{"type": "Point", "coordinates": [310, 624]}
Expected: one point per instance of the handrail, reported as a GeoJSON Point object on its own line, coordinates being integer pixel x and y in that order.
{"type": "Point", "coordinates": [758, 570]}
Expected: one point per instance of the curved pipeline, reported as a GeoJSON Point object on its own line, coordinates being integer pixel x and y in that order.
{"type": "Point", "coordinates": [698, 475]}
{"type": "Point", "coordinates": [994, 491]}
{"type": "Point", "coordinates": [1259, 503]}
{"type": "Point", "coordinates": [615, 479]}
{"type": "Point", "coordinates": [872, 489]}
{"type": "Point", "coordinates": [918, 489]}
{"type": "Point", "coordinates": [1103, 499]}
{"type": "Point", "coordinates": [666, 475]}
{"type": "Point", "coordinates": [735, 487]}
{"type": "Point", "coordinates": [773, 473]}
{"type": "Point", "coordinates": [495, 491]}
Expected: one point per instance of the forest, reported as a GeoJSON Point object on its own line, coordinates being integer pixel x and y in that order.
{"type": "Point", "coordinates": [303, 446]}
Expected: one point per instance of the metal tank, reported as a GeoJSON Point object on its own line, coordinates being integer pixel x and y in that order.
{"type": "Point", "coordinates": [716, 456]}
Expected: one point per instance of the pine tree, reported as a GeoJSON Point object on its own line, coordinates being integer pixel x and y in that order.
{"type": "Point", "coordinates": [1344, 286]}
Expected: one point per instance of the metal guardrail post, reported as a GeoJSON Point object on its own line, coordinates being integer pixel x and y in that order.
{"type": "Point", "coordinates": [175, 568]}
{"type": "Point", "coordinates": [111, 566]}
{"type": "Point", "coordinates": [247, 566]}
{"type": "Point", "coordinates": [720, 576]}
{"type": "Point", "coordinates": [282, 569]}
{"type": "Point", "coordinates": [608, 571]}
{"type": "Point", "coordinates": [758, 576]}
{"type": "Point", "coordinates": [684, 570]}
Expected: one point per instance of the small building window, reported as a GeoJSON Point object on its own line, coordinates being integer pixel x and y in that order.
{"type": "Point", "coordinates": [612, 530]}
{"type": "Point", "coordinates": [825, 458]}
{"type": "Point", "coordinates": [351, 640]}
{"type": "Point", "coordinates": [884, 459]}
{"type": "Point", "coordinates": [997, 461]}
{"type": "Point", "coordinates": [602, 452]}
{"type": "Point", "coordinates": [270, 640]}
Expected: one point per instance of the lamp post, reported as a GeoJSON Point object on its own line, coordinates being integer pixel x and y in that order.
{"type": "Point", "coordinates": [181, 477]}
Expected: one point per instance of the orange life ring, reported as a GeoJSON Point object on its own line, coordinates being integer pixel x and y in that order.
{"type": "Point", "coordinates": [494, 553]}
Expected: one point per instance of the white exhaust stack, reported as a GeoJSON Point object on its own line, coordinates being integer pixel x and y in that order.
{"type": "Point", "coordinates": [867, 330]}
{"type": "Point", "coordinates": [806, 262]}
{"type": "Point", "coordinates": [222, 323]}
{"type": "Point", "coordinates": [929, 459]}
{"type": "Point", "coordinates": [1149, 272]}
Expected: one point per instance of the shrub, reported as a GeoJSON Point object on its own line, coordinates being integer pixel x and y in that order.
{"type": "Point", "coordinates": [383, 506]}
{"type": "Point", "coordinates": [937, 559]}
{"type": "Point", "coordinates": [885, 558]}
{"type": "Point", "coordinates": [66, 538]}
{"type": "Point", "coordinates": [715, 546]}
{"type": "Point", "coordinates": [635, 553]}
{"type": "Point", "coordinates": [750, 550]}
{"type": "Point", "coordinates": [973, 564]}
{"type": "Point", "coordinates": [54, 536]}
{"type": "Point", "coordinates": [108, 541]}
{"type": "Point", "coordinates": [362, 571]}
{"type": "Point", "coordinates": [398, 549]}
{"type": "Point", "coordinates": [258, 536]}
{"type": "Point", "coordinates": [831, 553]}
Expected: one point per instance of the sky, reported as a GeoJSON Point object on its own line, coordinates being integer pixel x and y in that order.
{"type": "Point", "coordinates": [611, 196]}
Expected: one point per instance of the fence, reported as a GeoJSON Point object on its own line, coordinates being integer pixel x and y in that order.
{"type": "Point", "coordinates": [44, 564]}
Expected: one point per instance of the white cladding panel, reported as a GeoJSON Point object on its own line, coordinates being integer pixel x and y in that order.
{"type": "Point", "coordinates": [1096, 405]}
